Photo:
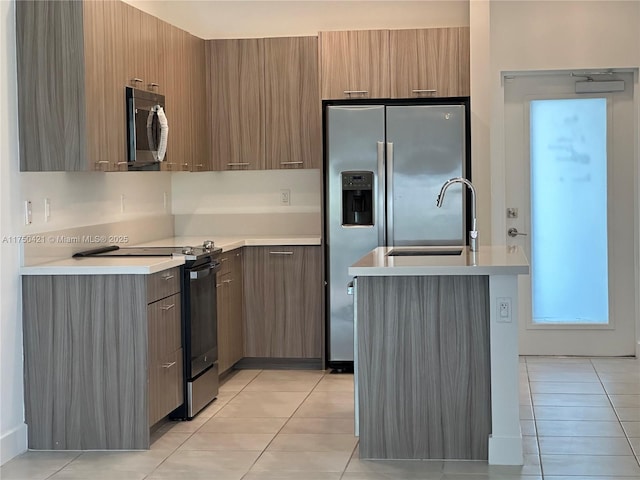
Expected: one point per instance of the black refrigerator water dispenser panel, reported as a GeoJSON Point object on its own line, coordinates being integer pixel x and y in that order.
{"type": "Point", "coordinates": [357, 198]}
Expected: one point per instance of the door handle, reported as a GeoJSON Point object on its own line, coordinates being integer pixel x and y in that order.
{"type": "Point", "coordinates": [513, 232]}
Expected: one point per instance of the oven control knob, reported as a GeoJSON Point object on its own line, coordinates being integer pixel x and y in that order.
{"type": "Point", "coordinates": [208, 244]}
{"type": "Point", "coordinates": [187, 250]}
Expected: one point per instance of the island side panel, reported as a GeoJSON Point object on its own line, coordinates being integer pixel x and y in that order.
{"type": "Point", "coordinates": [465, 362]}
{"type": "Point", "coordinates": [423, 367]}
{"type": "Point", "coordinates": [85, 341]}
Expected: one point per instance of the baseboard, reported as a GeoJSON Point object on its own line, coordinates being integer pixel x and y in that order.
{"type": "Point", "coordinates": [13, 443]}
{"type": "Point", "coordinates": [505, 450]}
{"type": "Point", "coordinates": [279, 363]}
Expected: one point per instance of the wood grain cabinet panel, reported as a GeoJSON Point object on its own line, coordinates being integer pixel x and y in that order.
{"type": "Point", "coordinates": [198, 113]}
{"type": "Point", "coordinates": [435, 330]}
{"type": "Point", "coordinates": [429, 62]}
{"type": "Point", "coordinates": [354, 64]}
{"type": "Point", "coordinates": [103, 360]}
{"type": "Point", "coordinates": [166, 391]}
{"type": "Point", "coordinates": [236, 82]}
{"type": "Point", "coordinates": [230, 311]}
{"type": "Point", "coordinates": [292, 103]}
{"type": "Point", "coordinates": [179, 152]}
{"type": "Point", "coordinates": [282, 298]}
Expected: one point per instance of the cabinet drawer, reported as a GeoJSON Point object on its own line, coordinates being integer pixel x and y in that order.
{"type": "Point", "coordinates": [163, 284]}
{"type": "Point", "coordinates": [165, 386]}
{"type": "Point", "coordinates": [227, 259]}
{"type": "Point", "coordinates": [164, 326]}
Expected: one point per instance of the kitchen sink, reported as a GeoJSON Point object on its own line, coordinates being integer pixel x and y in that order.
{"type": "Point", "coordinates": [422, 251]}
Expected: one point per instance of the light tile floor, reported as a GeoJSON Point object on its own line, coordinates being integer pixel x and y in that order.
{"type": "Point", "coordinates": [580, 420]}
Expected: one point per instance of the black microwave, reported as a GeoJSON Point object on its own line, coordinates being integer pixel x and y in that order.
{"type": "Point", "coordinates": [147, 129]}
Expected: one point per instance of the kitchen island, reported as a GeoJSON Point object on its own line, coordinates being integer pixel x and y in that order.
{"type": "Point", "coordinates": [436, 363]}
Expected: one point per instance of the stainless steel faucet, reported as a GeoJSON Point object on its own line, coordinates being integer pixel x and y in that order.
{"type": "Point", "coordinates": [473, 233]}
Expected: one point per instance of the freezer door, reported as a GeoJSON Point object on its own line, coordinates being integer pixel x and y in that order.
{"type": "Point", "coordinates": [354, 142]}
{"type": "Point", "coordinates": [426, 147]}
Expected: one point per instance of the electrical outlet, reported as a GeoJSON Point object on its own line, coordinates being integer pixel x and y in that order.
{"type": "Point", "coordinates": [122, 203]}
{"type": "Point", "coordinates": [285, 196]}
{"type": "Point", "coordinates": [504, 310]}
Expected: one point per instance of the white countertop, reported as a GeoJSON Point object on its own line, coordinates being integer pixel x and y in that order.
{"type": "Point", "coordinates": [231, 243]}
{"type": "Point", "coordinates": [148, 265]}
{"type": "Point", "coordinates": [489, 260]}
{"type": "Point", "coordinates": [104, 266]}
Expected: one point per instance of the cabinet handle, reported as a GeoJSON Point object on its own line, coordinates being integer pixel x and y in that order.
{"type": "Point", "coordinates": [419, 91]}
{"type": "Point", "coordinates": [227, 281]}
{"type": "Point", "coordinates": [168, 307]}
{"type": "Point", "coordinates": [136, 80]}
{"type": "Point", "coordinates": [291, 163]}
{"type": "Point", "coordinates": [238, 164]}
{"type": "Point", "coordinates": [199, 165]}
{"type": "Point", "coordinates": [167, 277]}
{"type": "Point", "coordinates": [168, 365]}
{"type": "Point", "coordinates": [356, 92]}
{"type": "Point", "coordinates": [102, 161]}
{"type": "Point", "coordinates": [218, 285]}
{"type": "Point", "coordinates": [122, 163]}
{"type": "Point", "coordinates": [224, 259]}
{"type": "Point", "coordinates": [281, 253]}
{"type": "Point", "coordinates": [153, 85]}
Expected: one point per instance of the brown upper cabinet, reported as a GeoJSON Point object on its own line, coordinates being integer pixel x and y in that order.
{"type": "Point", "coordinates": [395, 63]}
{"type": "Point", "coordinates": [429, 62]}
{"type": "Point", "coordinates": [265, 107]}
{"type": "Point", "coordinates": [71, 79]}
{"type": "Point", "coordinates": [235, 83]}
{"type": "Point", "coordinates": [67, 66]}
{"type": "Point", "coordinates": [354, 64]}
{"type": "Point", "coordinates": [184, 58]}
{"type": "Point", "coordinates": [292, 104]}
{"type": "Point", "coordinates": [145, 50]}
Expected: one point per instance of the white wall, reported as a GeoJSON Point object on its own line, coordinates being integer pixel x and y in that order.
{"type": "Point", "coordinates": [256, 191]}
{"type": "Point", "coordinates": [12, 429]}
{"type": "Point", "coordinates": [89, 198]}
{"type": "Point", "coordinates": [247, 19]}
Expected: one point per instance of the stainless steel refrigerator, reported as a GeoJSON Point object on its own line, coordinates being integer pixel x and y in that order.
{"type": "Point", "coordinates": [384, 165]}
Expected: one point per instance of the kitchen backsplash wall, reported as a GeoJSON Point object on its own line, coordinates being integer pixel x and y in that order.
{"type": "Point", "coordinates": [89, 198]}
{"type": "Point", "coordinates": [247, 202]}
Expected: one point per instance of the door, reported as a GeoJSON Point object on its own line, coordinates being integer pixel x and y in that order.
{"type": "Point", "coordinates": [426, 146]}
{"type": "Point", "coordinates": [570, 195]}
{"type": "Point", "coordinates": [354, 146]}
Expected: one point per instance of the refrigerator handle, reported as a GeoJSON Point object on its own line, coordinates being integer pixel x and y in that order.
{"type": "Point", "coordinates": [389, 216]}
{"type": "Point", "coordinates": [379, 192]}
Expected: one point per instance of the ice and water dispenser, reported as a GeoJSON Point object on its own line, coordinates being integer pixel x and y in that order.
{"type": "Point", "coordinates": [357, 198]}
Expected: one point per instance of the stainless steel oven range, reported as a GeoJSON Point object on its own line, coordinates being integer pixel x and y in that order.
{"type": "Point", "coordinates": [199, 318]}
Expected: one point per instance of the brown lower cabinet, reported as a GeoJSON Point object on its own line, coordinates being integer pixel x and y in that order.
{"type": "Point", "coordinates": [230, 318]}
{"type": "Point", "coordinates": [283, 302]}
{"type": "Point", "coordinates": [102, 358]}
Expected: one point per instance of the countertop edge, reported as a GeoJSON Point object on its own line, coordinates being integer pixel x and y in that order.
{"type": "Point", "coordinates": [118, 266]}
{"type": "Point", "coordinates": [53, 269]}
{"type": "Point", "coordinates": [421, 271]}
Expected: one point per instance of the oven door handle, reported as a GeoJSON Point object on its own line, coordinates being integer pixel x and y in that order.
{"type": "Point", "coordinates": [208, 269]}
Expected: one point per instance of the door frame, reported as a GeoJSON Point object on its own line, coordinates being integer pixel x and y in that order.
{"type": "Point", "coordinates": [498, 168]}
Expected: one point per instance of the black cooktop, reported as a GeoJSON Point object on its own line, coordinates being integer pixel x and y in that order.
{"type": "Point", "coordinates": [191, 253]}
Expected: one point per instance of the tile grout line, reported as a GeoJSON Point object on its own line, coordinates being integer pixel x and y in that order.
{"type": "Point", "coordinates": [283, 425]}
{"type": "Point", "coordinates": [535, 422]}
{"type": "Point", "coordinates": [615, 411]}
{"type": "Point", "coordinates": [197, 429]}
